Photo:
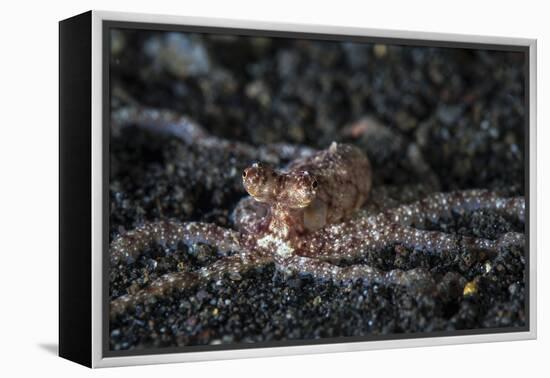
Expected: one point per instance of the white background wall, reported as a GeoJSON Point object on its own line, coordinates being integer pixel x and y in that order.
{"type": "Point", "coordinates": [29, 206]}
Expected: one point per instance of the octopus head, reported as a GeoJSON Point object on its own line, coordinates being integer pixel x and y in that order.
{"type": "Point", "coordinates": [292, 190]}
{"type": "Point", "coordinates": [261, 182]}
{"type": "Point", "coordinates": [299, 190]}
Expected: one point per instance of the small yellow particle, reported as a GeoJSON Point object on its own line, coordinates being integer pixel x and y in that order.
{"type": "Point", "coordinates": [215, 312]}
{"type": "Point", "coordinates": [317, 301]}
{"type": "Point", "coordinates": [470, 289]}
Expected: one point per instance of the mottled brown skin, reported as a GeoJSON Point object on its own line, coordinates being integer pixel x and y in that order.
{"type": "Point", "coordinates": [325, 188]}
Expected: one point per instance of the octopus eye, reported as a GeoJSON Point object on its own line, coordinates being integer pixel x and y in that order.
{"type": "Point", "coordinates": [244, 174]}
{"type": "Point", "coordinates": [314, 184]}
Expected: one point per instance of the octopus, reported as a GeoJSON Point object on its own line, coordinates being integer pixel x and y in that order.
{"type": "Point", "coordinates": [318, 215]}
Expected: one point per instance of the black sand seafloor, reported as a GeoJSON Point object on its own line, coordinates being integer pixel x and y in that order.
{"type": "Point", "coordinates": [464, 110]}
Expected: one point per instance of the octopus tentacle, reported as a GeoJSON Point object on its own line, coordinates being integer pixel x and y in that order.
{"type": "Point", "coordinates": [235, 265]}
{"type": "Point", "coordinates": [322, 270]}
{"type": "Point", "coordinates": [342, 243]}
{"type": "Point", "coordinates": [158, 288]}
{"type": "Point", "coordinates": [439, 205]}
{"type": "Point", "coordinates": [440, 242]}
{"type": "Point", "coordinates": [232, 266]}
{"type": "Point", "coordinates": [351, 240]}
{"type": "Point", "coordinates": [129, 245]}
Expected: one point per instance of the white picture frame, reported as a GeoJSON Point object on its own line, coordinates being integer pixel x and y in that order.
{"type": "Point", "coordinates": [99, 359]}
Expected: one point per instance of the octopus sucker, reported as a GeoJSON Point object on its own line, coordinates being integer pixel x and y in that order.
{"type": "Point", "coordinates": [310, 215]}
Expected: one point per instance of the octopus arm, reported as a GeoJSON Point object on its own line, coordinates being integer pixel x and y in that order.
{"type": "Point", "coordinates": [357, 242]}
{"type": "Point", "coordinates": [130, 245]}
{"type": "Point", "coordinates": [160, 287]}
{"type": "Point", "coordinates": [437, 242]}
{"type": "Point", "coordinates": [440, 205]}
{"type": "Point", "coordinates": [231, 266]}
{"type": "Point", "coordinates": [353, 239]}
{"type": "Point", "coordinates": [325, 271]}
{"type": "Point", "coordinates": [346, 241]}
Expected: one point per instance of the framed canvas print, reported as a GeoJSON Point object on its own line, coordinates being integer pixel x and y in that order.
{"type": "Point", "coordinates": [235, 189]}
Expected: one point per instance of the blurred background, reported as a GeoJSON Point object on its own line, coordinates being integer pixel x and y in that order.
{"type": "Point", "coordinates": [464, 108]}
